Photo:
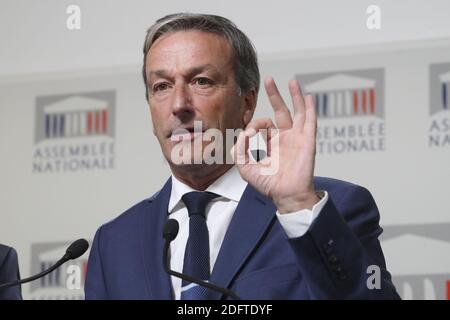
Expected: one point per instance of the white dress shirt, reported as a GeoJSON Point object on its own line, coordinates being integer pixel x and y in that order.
{"type": "Point", "coordinates": [219, 212]}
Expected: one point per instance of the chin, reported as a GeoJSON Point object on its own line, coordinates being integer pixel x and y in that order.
{"type": "Point", "coordinates": [202, 168]}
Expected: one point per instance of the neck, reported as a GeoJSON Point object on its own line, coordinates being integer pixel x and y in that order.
{"type": "Point", "coordinates": [200, 177]}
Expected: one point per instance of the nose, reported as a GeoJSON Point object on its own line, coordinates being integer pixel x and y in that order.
{"type": "Point", "coordinates": [182, 103]}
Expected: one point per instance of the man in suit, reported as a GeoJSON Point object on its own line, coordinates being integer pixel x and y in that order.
{"type": "Point", "coordinates": [9, 271]}
{"type": "Point", "coordinates": [265, 234]}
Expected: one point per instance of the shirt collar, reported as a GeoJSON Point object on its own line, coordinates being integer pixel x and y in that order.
{"type": "Point", "coordinates": [230, 186]}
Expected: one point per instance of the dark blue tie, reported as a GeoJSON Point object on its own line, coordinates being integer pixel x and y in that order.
{"type": "Point", "coordinates": [196, 256]}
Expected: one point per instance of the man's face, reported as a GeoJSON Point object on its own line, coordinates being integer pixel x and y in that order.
{"type": "Point", "coordinates": [190, 77]}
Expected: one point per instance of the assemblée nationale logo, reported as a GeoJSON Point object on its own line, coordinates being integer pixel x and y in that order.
{"type": "Point", "coordinates": [74, 132]}
{"type": "Point", "coordinates": [350, 109]}
{"type": "Point", "coordinates": [419, 260]}
{"type": "Point", "coordinates": [64, 283]}
{"type": "Point", "coordinates": [439, 132]}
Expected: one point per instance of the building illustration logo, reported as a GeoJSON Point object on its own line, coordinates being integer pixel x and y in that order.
{"type": "Point", "coordinates": [78, 121]}
{"type": "Point", "coordinates": [445, 86]}
{"type": "Point", "coordinates": [61, 284]}
{"type": "Point", "coordinates": [439, 129]}
{"type": "Point", "coordinates": [77, 115]}
{"type": "Point", "coordinates": [350, 110]}
{"type": "Point", "coordinates": [418, 256]}
{"type": "Point", "coordinates": [343, 95]}
{"type": "Point", "coordinates": [74, 132]}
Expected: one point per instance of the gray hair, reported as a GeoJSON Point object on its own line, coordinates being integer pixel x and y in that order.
{"type": "Point", "coordinates": [245, 59]}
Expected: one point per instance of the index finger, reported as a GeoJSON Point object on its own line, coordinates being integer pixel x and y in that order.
{"type": "Point", "coordinates": [283, 117]}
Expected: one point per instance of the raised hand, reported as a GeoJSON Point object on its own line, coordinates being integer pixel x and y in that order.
{"type": "Point", "coordinates": [291, 151]}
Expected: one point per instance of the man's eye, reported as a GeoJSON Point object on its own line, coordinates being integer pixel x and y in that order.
{"type": "Point", "coordinates": [160, 87]}
{"type": "Point", "coordinates": [203, 82]}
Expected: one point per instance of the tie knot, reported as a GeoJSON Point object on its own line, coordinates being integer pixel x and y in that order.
{"type": "Point", "coordinates": [197, 201]}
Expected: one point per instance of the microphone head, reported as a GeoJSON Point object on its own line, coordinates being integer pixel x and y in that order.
{"type": "Point", "coordinates": [76, 249]}
{"type": "Point", "coordinates": [170, 230]}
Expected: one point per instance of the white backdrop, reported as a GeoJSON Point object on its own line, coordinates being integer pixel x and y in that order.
{"type": "Point", "coordinates": [43, 209]}
{"type": "Point", "coordinates": [41, 212]}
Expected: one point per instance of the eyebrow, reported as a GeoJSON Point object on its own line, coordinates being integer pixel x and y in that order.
{"type": "Point", "coordinates": [189, 73]}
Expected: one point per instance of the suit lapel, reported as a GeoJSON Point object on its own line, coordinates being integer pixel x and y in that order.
{"type": "Point", "coordinates": [253, 215]}
{"type": "Point", "coordinates": [152, 244]}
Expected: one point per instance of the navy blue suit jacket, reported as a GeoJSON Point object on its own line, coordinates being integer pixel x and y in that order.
{"type": "Point", "coordinates": [256, 259]}
{"type": "Point", "coordinates": [9, 271]}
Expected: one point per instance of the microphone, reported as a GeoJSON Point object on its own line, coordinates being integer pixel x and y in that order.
{"type": "Point", "coordinates": [170, 232]}
{"type": "Point", "coordinates": [75, 250]}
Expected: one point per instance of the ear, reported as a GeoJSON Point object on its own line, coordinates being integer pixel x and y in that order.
{"type": "Point", "coordinates": [249, 105]}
